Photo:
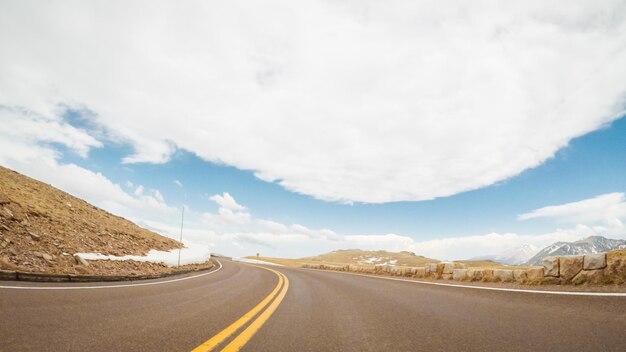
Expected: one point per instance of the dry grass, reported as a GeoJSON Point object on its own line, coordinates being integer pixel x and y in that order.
{"type": "Point", "coordinates": [360, 257]}
{"type": "Point", "coordinates": [354, 257]}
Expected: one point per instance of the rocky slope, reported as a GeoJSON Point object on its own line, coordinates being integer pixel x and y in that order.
{"type": "Point", "coordinates": [42, 227]}
{"type": "Point", "coordinates": [592, 244]}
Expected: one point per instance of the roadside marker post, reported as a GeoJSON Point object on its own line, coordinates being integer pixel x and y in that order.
{"type": "Point", "coordinates": [182, 220]}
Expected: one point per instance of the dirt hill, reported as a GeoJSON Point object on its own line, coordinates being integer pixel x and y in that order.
{"type": "Point", "coordinates": [41, 228]}
{"type": "Point", "coordinates": [356, 257]}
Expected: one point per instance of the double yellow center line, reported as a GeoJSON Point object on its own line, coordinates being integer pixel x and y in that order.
{"type": "Point", "coordinates": [240, 340]}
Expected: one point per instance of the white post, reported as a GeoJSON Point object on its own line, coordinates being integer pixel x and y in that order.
{"type": "Point", "coordinates": [181, 234]}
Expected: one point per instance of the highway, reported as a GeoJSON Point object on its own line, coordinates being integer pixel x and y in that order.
{"type": "Point", "coordinates": [282, 309]}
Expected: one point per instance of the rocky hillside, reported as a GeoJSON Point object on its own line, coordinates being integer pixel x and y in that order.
{"type": "Point", "coordinates": [357, 256]}
{"type": "Point", "coordinates": [41, 228]}
{"type": "Point", "coordinates": [592, 244]}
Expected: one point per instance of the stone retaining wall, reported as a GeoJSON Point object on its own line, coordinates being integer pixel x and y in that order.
{"type": "Point", "coordinates": [44, 277]}
{"type": "Point", "coordinates": [601, 268]}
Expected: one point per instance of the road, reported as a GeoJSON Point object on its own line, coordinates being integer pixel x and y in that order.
{"type": "Point", "coordinates": [312, 311]}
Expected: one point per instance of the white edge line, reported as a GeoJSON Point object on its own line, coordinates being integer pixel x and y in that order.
{"type": "Point", "coordinates": [111, 286]}
{"type": "Point", "coordinates": [567, 293]}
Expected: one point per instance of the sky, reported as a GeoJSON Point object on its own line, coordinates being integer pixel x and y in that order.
{"type": "Point", "coordinates": [290, 129]}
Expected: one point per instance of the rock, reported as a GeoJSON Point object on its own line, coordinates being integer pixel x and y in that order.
{"type": "Point", "coordinates": [446, 276]}
{"type": "Point", "coordinates": [34, 236]}
{"type": "Point", "coordinates": [6, 264]}
{"type": "Point", "coordinates": [551, 266]}
{"type": "Point", "coordinates": [4, 244]}
{"type": "Point", "coordinates": [38, 254]}
{"type": "Point", "coordinates": [569, 266]}
{"type": "Point", "coordinates": [420, 272]}
{"type": "Point", "coordinates": [458, 265]}
{"type": "Point", "coordinates": [46, 256]}
{"type": "Point", "coordinates": [503, 275]}
{"type": "Point", "coordinates": [519, 274]}
{"type": "Point", "coordinates": [616, 265]}
{"type": "Point", "coordinates": [80, 260]}
{"type": "Point", "coordinates": [594, 261]}
{"type": "Point", "coordinates": [431, 269]}
{"type": "Point", "coordinates": [8, 213]}
{"type": "Point", "coordinates": [459, 274]}
{"type": "Point", "coordinates": [5, 227]}
{"type": "Point", "coordinates": [475, 274]}
{"type": "Point", "coordinates": [440, 267]}
{"type": "Point", "coordinates": [488, 275]}
{"type": "Point", "coordinates": [534, 273]}
{"type": "Point", "coordinates": [591, 277]}
{"type": "Point", "coordinates": [447, 268]}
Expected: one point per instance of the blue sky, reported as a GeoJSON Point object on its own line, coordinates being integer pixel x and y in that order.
{"type": "Point", "coordinates": [449, 130]}
{"type": "Point", "coordinates": [591, 165]}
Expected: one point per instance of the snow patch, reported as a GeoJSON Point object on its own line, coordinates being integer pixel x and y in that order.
{"type": "Point", "coordinates": [189, 255]}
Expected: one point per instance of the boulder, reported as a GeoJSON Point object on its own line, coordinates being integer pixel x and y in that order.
{"type": "Point", "coordinates": [488, 275]}
{"type": "Point", "coordinates": [519, 274]}
{"type": "Point", "coordinates": [551, 266]}
{"type": "Point", "coordinates": [503, 275]}
{"type": "Point", "coordinates": [6, 264]}
{"type": "Point", "coordinates": [80, 260]}
{"type": "Point", "coordinates": [570, 266]}
{"type": "Point", "coordinates": [534, 273]}
{"type": "Point", "coordinates": [594, 261]}
{"type": "Point", "coordinates": [431, 270]}
{"type": "Point", "coordinates": [447, 268]}
{"type": "Point", "coordinates": [34, 236]}
{"type": "Point", "coordinates": [591, 277]}
{"type": "Point", "coordinates": [7, 212]}
{"type": "Point", "coordinates": [475, 274]}
{"type": "Point", "coordinates": [616, 265]}
{"type": "Point", "coordinates": [459, 274]}
{"type": "Point", "coordinates": [440, 267]}
{"type": "Point", "coordinates": [420, 272]}
{"type": "Point", "coordinates": [446, 276]}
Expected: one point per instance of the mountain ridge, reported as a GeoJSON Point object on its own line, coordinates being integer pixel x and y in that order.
{"type": "Point", "coordinates": [591, 244]}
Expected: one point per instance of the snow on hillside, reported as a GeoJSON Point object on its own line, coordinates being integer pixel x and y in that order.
{"type": "Point", "coordinates": [592, 244]}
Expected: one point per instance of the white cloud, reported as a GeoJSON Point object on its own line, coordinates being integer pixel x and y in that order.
{"type": "Point", "coordinates": [345, 101]}
{"type": "Point", "coordinates": [607, 208]}
{"type": "Point", "coordinates": [139, 190]}
{"type": "Point", "coordinates": [26, 149]}
{"type": "Point", "coordinates": [178, 183]}
{"type": "Point", "coordinates": [226, 201]}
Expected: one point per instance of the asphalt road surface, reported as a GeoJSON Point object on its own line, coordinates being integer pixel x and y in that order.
{"type": "Point", "coordinates": [301, 310]}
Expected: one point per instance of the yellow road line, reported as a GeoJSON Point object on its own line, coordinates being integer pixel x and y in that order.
{"type": "Point", "coordinates": [232, 328]}
{"type": "Point", "coordinates": [249, 332]}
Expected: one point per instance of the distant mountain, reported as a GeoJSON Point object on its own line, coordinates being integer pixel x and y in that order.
{"type": "Point", "coordinates": [513, 256]}
{"type": "Point", "coordinates": [592, 244]}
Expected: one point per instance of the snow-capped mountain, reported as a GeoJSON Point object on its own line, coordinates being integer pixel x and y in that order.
{"type": "Point", "coordinates": [591, 244]}
{"type": "Point", "coordinates": [513, 256]}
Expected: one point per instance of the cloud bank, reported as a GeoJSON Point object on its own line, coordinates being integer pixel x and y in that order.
{"type": "Point", "coordinates": [353, 101]}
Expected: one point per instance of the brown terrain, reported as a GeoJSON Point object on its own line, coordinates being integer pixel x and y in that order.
{"type": "Point", "coordinates": [41, 228]}
{"type": "Point", "coordinates": [355, 257]}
